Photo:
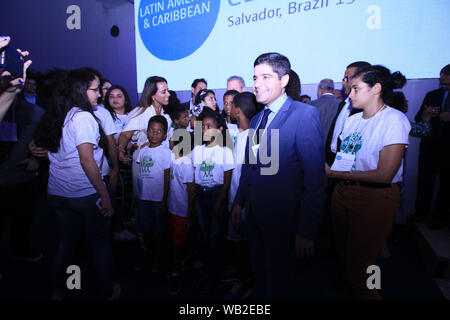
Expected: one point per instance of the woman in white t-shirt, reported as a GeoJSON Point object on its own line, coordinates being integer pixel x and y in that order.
{"type": "Point", "coordinates": [76, 192]}
{"type": "Point", "coordinates": [118, 103]}
{"type": "Point", "coordinates": [370, 166]}
{"type": "Point", "coordinates": [154, 96]}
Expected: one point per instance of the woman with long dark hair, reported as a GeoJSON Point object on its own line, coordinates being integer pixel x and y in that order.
{"type": "Point", "coordinates": [370, 166]}
{"type": "Point", "coordinates": [154, 96]}
{"type": "Point", "coordinates": [76, 191]}
{"type": "Point", "coordinates": [118, 103]}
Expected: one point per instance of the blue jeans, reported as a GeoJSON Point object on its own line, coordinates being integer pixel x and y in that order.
{"type": "Point", "coordinates": [211, 228]}
{"type": "Point", "coordinates": [150, 217]}
{"type": "Point", "coordinates": [75, 217]}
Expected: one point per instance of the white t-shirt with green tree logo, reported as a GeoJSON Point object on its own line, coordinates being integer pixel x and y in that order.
{"type": "Point", "coordinates": [152, 163]}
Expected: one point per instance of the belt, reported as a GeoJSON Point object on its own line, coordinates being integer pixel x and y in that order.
{"type": "Point", "coordinates": [368, 184]}
{"type": "Point", "coordinates": [207, 189]}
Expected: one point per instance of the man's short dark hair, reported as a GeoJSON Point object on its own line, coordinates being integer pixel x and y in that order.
{"type": "Point", "coordinates": [446, 70]}
{"type": "Point", "coordinates": [31, 75]}
{"type": "Point", "coordinates": [197, 81]}
{"type": "Point", "coordinates": [359, 65]}
{"type": "Point", "coordinates": [246, 101]}
{"type": "Point", "coordinates": [159, 119]}
{"type": "Point", "coordinates": [279, 63]}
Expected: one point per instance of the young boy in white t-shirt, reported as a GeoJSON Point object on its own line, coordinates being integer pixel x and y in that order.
{"type": "Point", "coordinates": [232, 126]}
{"type": "Point", "coordinates": [180, 204]}
{"type": "Point", "coordinates": [153, 187]}
{"type": "Point", "coordinates": [243, 109]}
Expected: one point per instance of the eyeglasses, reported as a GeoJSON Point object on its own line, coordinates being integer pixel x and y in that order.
{"type": "Point", "coordinates": [95, 90]}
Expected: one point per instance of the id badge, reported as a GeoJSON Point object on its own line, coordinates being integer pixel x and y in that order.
{"type": "Point", "coordinates": [255, 149]}
{"type": "Point", "coordinates": [8, 132]}
{"type": "Point", "coordinates": [343, 162]}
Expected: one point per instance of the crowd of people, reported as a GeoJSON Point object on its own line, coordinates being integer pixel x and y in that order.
{"type": "Point", "coordinates": [188, 180]}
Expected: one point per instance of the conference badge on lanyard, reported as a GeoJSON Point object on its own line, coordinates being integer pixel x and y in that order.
{"type": "Point", "coordinates": [343, 162]}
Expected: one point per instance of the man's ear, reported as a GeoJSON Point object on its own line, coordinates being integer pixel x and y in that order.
{"type": "Point", "coordinates": [284, 80]}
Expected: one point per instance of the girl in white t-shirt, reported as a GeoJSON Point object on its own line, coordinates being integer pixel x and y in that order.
{"type": "Point", "coordinates": [118, 103]}
{"type": "Point", "coordinates": [75, 140]}
{"type": "Point", "coordinates": [213, 164]}
{"type": "Point", "coordinates": [369, 165]}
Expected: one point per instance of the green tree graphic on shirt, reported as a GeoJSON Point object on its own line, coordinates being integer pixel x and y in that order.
{"type": "Point", "coordinates": [171, 174]}
{"type": "Point", "coordinates": [352, 143]}
{"type": "Point", "coordinates": [146, 164]}
{"type": "Point", "coordinates": [207, 168]}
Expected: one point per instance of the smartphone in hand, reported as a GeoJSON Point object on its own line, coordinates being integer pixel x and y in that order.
{"type": "Point", "coordinates": [13, 61]}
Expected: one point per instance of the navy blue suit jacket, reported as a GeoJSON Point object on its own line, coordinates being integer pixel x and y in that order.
{"type": "Point", "coordinates": [292, 199]}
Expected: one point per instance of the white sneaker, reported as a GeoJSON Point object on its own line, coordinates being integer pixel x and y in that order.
{"type": "Point", "coordinates": [125, 236]}
{"type": "Point", "coordinates": [117, 290]}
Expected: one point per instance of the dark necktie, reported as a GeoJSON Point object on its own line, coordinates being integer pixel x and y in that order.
{"type": "Point", "coordinates": [447, 103]}
{"type": "Point", "coordinates": [263, 123]}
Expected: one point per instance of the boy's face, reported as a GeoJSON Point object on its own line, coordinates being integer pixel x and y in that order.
{"type": "Point", "coordinates": [155, 134]}
{"type": "Point", "coordinates": [183, 119]}
{"type": "Point", "coordinates": [228, 104]}
{"type": "Point", "coordinates": [234, 112]}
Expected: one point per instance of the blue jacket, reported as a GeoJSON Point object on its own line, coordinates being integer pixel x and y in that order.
{"type": "Point", "coordinates": [292, 199]}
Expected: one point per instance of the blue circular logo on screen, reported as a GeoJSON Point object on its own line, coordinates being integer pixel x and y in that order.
{"type": "Point", "coordinates": [174, 29]}
{"type": "Point", "coordinates": [339, 157]}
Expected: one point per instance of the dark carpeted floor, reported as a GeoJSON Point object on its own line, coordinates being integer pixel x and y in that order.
{"type": "Point", "coordinates": [404, 276]}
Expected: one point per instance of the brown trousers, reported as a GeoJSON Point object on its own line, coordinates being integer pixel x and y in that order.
{"type": "Point", "coordinates": [362, 220]}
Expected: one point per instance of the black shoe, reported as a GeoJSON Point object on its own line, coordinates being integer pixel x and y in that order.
{"type": "Point", "coordinates": [142, 263]}
{"type": "Point", "coordinates": [174, 285]}
{"type": "Point", "coordinates": [417, 218]}
{"type": "Point", "coordinates": [230, 277]}
{"type": "Point", "coordinates": [31, 256]}
{"type": "Point", "coordinates": [435, 225]}
{"type": "Point", "coordinates": [207, 287]}
{"type": "Point", "coordinates": [240, 290]}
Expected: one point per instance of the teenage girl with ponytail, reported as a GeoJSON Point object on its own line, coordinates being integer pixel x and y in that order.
{"type": "Point", "coordinates": [369, 165]}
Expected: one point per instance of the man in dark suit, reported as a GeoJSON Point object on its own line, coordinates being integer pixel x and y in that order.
{"type": "Point", "coordinates": [196, 86]}
{"type": "Point", "coordinates": [29, 92]}
{"type": "Point", "coordinates": [327, 104]}
{"type": "Point", "coordinates": [282, 194]}
{"type": "Point", "coordinates": [434, 154]}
